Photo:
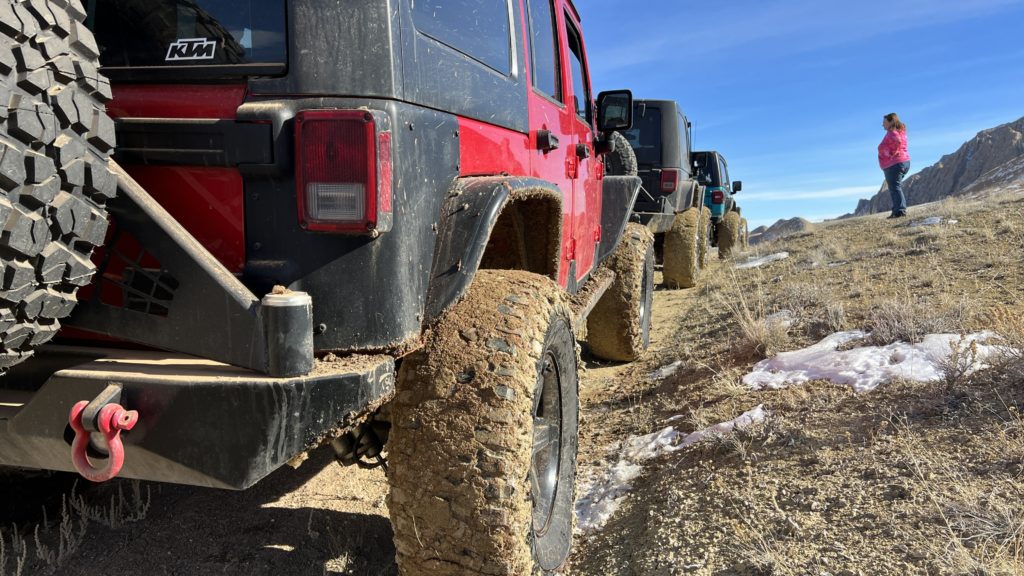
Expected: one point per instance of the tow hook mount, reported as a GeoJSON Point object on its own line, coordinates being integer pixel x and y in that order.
{"type": "Point", "coordinates": [98, 424]}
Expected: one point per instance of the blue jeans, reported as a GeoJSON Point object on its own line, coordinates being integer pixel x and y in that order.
{"type": "Point", "coordinates": [894, 178]}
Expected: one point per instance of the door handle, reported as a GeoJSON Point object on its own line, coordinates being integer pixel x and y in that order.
{"type": "Point", "coordinates": [546, 141]}
{"type": "Point", "coordinates": [582, 151]}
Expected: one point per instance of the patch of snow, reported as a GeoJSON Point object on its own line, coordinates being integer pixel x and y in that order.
{"type": "Point", "coordinates": [666, 371]}
{"type": "Point", "coordinates": [745, 420]}
{"type": "Point", "coordinates": [757, 262]}
{"type": "Point", "coordinates": [783, 318]}
{"type": "Point", "coordinates": [602, 495]}
{"type": "Point", "coordinates": [931, 221]}
{"type": "Point", "coordinates": [865, 368]}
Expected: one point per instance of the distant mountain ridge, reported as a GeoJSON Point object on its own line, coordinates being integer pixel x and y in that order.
{"type": "Point", "coordinates": [778, 230]}
{"type": "Point", "coordinates": [992, 159]}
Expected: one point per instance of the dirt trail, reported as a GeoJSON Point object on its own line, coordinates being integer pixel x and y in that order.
{"type": "Point", "coordinates": [319, 519]}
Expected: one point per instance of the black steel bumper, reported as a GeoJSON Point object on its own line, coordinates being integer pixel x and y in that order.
{"type": "Point", "coordinates": [200, 422]}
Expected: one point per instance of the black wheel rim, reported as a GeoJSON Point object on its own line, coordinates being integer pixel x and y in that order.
{"type": "Point", "coordinates": [547, 444]}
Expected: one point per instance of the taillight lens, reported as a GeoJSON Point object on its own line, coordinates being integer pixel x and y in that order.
{"type": "Point", "coordinates": [343, 171]}
{"type": "Point", "coordinates": [717, 196]}
{"type": "Point", "coordinates": [669, 180]}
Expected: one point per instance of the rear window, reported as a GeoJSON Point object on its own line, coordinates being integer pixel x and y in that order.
{"type": "Point", "coordinates": [201, 33]}
{"type": "Point", "coordinates": [707, 165]}
{"type": "Point", "coordinates": [645, 135]}
{"type": "Point", "coordinates": [479, 29]}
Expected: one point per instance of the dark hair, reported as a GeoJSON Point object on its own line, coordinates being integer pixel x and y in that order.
{"type": "Point", "coordinates": [894, 122]}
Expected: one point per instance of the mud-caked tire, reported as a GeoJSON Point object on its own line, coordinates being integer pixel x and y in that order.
{"type": "Point", "coordinates": [622, 160]}
{"type": "Point", "coordinates": [705, 228]}
{"type": "Point", "coordinates": [728, 235]}
{"type": "Point", "coordinates": [681, 267]}
{"type": "Point", "coordinates": [482, 449]}
{"type": "Point", "coordinates": [619, 326]}
{"type": "Point", "coordinates": [55, 140]}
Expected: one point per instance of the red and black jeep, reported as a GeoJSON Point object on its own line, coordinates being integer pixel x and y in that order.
{"type": "Point", "coordinates": [364, 224]}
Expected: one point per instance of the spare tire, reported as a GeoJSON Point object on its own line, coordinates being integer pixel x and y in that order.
{"type": "Point", "coordinates": [55, 141]}
{"type": "Point", "coordinates": [621, 161]}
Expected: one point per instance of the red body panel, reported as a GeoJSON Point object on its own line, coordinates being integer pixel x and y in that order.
{"type": "Point", "coordinates": [486, 149]}
{"type": "Point", "coordinates": [587, 207]}
{"type": "Point", "coordinates": [177, 101]}
{"type": "Point", "coordinates": [208, 202]}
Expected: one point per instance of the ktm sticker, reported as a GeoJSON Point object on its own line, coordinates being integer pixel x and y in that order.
{"type": "Point", "coordinates": [191, 49]}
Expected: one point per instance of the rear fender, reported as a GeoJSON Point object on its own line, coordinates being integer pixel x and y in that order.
{"type": "Point", "coordinates": [494, 222]}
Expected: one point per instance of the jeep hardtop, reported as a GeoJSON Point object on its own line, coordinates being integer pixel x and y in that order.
{"type": "Point", "coordinates": [728, 227]}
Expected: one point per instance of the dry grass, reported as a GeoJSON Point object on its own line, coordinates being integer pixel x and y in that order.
{"type": "Point", "coordinates": [907, 319]}
{"type": "Point", "coordinates": [44, 547]}
{"type": "Point", "coordinates": [641, 415]}
{"type": "Point", "coordinates": [759, 336]}
{"type": "Point", "coordinates": [982, 518]}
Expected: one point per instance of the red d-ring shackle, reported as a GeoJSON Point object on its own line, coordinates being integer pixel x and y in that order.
{"type": "Point", "coordinates": [112, 419]}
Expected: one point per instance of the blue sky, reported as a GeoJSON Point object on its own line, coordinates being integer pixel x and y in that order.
{"type": "Point", "coordinates": [792, 92]}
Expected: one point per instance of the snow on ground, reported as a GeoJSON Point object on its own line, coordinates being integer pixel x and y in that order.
{"type": "Point", "coordinates": [931, 221]}
{"type": "Point", "coordinates": [602, 495]}
{"type": "Point", "coordinates": [666, 371]}
{"type": "Point", "coordinates": [756, 262]}
{"type": "Point", "coordinates": [783, 318]}
{"type": "Point", "coordinates": [866, 367]}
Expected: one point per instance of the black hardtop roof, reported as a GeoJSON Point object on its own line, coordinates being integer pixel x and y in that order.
{"type": "Point", "coordinates": [663, 104]}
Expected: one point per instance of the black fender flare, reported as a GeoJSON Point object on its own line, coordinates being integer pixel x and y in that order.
{"type": "Point", "coordinates": [468, 216]}
{"type": "Point", "coordinates": [618, 194]}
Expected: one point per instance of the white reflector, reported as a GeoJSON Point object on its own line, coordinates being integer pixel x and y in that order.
{"type": "Point", "coordinates": [336, 202]}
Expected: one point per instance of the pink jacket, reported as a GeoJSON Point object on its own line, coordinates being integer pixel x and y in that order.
{"type": "Point", "coordinates": [893, 149]}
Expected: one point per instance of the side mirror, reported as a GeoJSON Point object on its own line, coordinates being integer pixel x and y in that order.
{"type": "Point", "coordinates": [737, 186]}
{"type": "Point", "coordinates": [614, 110]}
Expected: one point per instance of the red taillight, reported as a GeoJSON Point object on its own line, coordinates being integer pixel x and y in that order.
{"type": "Point", "coordinates": [343, 171]}
{"type": "Point", "coordinates": [717, 196]}
{"type": "Point", "coordinates": [669, 180]}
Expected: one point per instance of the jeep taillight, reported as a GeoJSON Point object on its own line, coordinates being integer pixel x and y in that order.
{"type": "Point", "coordinates": [669, 180]}
{"type": "Point", "coordinates": [717, 197]}
{"type": "Point", "coordinates": [343, 171]}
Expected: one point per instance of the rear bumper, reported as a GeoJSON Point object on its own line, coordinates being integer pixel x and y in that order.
{"type": "Point", "coordinates": [200, 422]}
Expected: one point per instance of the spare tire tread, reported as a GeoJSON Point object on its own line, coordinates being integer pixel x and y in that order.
{"type": "Point", "coordinates": [55, 143]}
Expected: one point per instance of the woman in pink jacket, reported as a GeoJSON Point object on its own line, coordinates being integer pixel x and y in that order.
{"type": "Point", "coordinates": [894, 161]}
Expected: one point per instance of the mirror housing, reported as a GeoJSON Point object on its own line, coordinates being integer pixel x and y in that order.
{"type": "Point", "coordinates": [614, 110]}
{"type": "Point", "coordinates": [737, 185]}
{"type": "Point", "coordinates": [604, 145]}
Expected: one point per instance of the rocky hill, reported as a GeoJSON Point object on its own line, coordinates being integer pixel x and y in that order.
{"type": "Point", "coordinates": [780, 229]}
{"type": "Point", "coordinates": [992, 159]}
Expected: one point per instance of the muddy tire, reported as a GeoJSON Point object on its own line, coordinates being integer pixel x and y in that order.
{"type": "Point", "coordinates": [55, 139]}
{"type": "Point", "coordinates": [705, 229]}
{"type": "Point", "coordinates": [482, 449]}
{"type": "Point", "coordinates": [728, 235]}
{"type": "Point", "coordinates": [622, 160]}
{"type": "Point", "coordinates": [619, 326]}
{"type": "Point", "coordinates": [682, 250]}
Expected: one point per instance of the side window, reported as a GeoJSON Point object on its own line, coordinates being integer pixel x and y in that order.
{"type": "Point", "coordinates": [723, 171]}
{"type": "Point", "coordinates": [580, 85]}
{"type": "Point", "coordinates": [546, 71]}
{"type": "Point", "coordinates": [479, 29]}
{"type": "Point", "coordinates": [684, 135]}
